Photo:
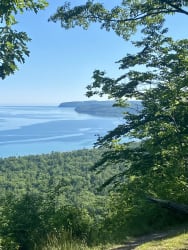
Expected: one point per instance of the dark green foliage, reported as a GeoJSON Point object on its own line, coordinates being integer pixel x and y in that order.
{"type": "Point", "coordinates": [22, 222]}
{"type": "Point", "coordinates": [52, 193]}
{"type": "Point", "coordinates": [27, 221]}
{"type": "Point", "coordinates": [74, 219]}
{"type": "Point", "coordinates": [65, 173]}
{"type": "Point", "coordinates": [161, 159]}
{"type": "Point", "coordinates": [61, 187]}
{"type": "Point", "coordinates": [157, 165]}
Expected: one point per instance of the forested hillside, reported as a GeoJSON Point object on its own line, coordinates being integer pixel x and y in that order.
{"type": "Point", "coordinates": [52, 201]}
{"type": "Point", "coordinates": [103, 108]}
{"type": "Point", "coordinates": [44, 192]}
{"type": "Point", "coordinates": [68, 175]}
{"type": "Point", "coordinates": [49, 194]}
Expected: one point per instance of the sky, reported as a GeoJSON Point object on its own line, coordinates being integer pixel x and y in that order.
{"type": "Point", "coordinates": [61, 61]}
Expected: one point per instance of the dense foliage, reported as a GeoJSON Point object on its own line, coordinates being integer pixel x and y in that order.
{"type": "Point", "coordinates": [162, 124]}
{"type": "Point", "coordinates": [51, 194]}
{"type": "Point", "coordinates": [124, 18]}
{"type": "Point", "coordinates": [43, 195]}
{"type": "Point", "coordinates": [13, 43]}
{"type": "Point", "coordinates": [157, 76]}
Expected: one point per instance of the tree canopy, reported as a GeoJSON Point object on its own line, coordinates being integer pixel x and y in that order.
{"type": "Point", "coordinates": [157, 76]}
{"type": "Point", "coordinates": [124, 19]}
{"type": "Point", "coordinates": [161, 126]}
{"type": "Point", "coordinates": [13, 43]}
{"type": "Point", "coordinates": [58, 192]}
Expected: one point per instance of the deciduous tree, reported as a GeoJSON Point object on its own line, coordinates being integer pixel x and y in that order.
{"type": "Point", "coordinates": [157, 76]}
{"type": "Point", "coordinates": [124, 18]}
{"type": "Point", "coordinates": [160, 162]}
{"type": "Point", "coordinates": [13, 43]}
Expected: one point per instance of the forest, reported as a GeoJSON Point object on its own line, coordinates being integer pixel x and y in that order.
{"type": "Point", "coordinates": [103, 108]}
{"type": "Point", "coordinates": [44, 193]}
{"type": "Point", "coordinates": [61, 195]}
{"type": "Point", "coordinates": [91, 198]}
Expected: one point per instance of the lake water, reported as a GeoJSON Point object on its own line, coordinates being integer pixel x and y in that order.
{"type": "Point", "coordinates": [26, 130]}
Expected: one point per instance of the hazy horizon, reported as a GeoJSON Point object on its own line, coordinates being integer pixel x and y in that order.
{"type": "Point", "coordinates": [52, 104]}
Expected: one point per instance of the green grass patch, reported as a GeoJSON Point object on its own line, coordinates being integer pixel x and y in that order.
{"type": "Point", "coordinates": [65, 241]}
{"type": "Point", "coordinates": [179, 242]}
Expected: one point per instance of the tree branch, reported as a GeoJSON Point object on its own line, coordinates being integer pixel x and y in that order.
{"type": "Point", "coordinates": [137, 17]}
{"type": "Point", "coordinates": [180, 208]}
{"type": "Point", "coordinates": [178, 9]}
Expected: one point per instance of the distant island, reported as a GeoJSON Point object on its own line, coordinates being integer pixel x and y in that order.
{"type": "Point", "coordinates": [101, 108]}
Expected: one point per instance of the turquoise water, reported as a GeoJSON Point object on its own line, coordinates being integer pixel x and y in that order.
{"type": "Point", "coordinates": [26, 130]}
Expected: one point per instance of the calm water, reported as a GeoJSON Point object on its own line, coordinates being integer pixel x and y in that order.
{"type": "Point", "coordinates": [43, 129]}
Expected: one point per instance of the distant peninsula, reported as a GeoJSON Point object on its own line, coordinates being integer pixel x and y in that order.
{"type": "Point", "coordinates": [101, 108]}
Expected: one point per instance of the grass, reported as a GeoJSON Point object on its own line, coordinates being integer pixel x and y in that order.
{"type": "Point", "coordinates": [179, 242]}
{"type": "Point", "coordinates": [65, 241]}
{"type": "Point", "coordinates": [173, 239]}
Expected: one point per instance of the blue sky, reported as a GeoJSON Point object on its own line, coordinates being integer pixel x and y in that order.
{"type": "Point", "coordinates": [62, 61]}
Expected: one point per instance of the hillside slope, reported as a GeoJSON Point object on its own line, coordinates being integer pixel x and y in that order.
{"type": "Point", "coordinates": [102, 108]}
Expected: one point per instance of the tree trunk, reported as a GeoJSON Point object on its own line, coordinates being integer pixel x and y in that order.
{"type": "Point", "coordinates": [176, 207]}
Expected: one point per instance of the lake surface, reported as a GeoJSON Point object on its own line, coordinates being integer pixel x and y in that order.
{"type": "Point", "coordinates": [26, 130]}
